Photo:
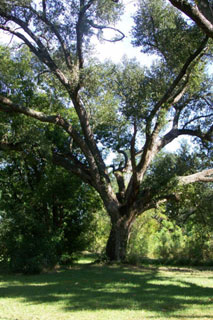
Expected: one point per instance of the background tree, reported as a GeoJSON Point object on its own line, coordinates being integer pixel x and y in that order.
{"type": "Point", "coordinates": [148, 108]}
{"type": "Point", "coordinates": [46, 216]}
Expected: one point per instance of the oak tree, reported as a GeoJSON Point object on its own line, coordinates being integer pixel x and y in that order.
{"type": "Point", "coordinates": [126, 109]}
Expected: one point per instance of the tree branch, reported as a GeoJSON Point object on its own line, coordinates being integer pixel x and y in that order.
{"type": "Point", "coordinates": [177, 80]}
{"type": "Point", "coordinates": [152, 145]}
{"type": "Point", "coordinates": [77, 167]}
{"type": "Point", "coordinates": [6, 105]}
{"type": "Point", "coordinates": [96, 26]}
{"type": "Point", "coordinates": [80, 33]}
{"type": "Point", "coordinates": [42, 55]}
{"type": "Point", "coordinates": [40, 51]}
{"type": "Point", "coordinates": [174, 133]}
{"type": "Point", "coordinates": [197, 14]}
{"type": "Point", "coordinates": [197, 118]}
{"type": "Point", "coordinates": [44, 8]}
{"type": "Point", "coordinates": [89, 137]}
{"type": "Point", "coordinates": [133, 157]}
{"type": "Point", "coordinates": [55, 31]}
{"type": "Point", "coordinates": [179, 94]}
{"type": "Point", "coordinates": [5, 146]}
{"type": "Point", "coordinates": [121, 165]}
{"type": "Point", "coordinates": [202, 176]}
{"type": "Point", "coordinates": [121, 185]}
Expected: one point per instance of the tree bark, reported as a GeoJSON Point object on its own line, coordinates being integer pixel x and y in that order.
{"type": "Point", "coordinates": [116, 248]}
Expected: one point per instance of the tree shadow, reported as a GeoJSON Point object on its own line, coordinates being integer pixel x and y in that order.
{"type": "Point", "coordinates": [110, 287]}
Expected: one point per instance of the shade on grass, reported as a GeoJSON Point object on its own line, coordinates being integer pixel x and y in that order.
{"type": "Point", "coordinates": [108, 292]}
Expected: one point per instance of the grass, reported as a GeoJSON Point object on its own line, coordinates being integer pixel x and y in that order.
{"type": "Point", "coordinates": [94, 292]}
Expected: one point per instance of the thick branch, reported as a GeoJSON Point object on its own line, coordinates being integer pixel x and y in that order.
{"type": "Point", "coordinates": [149, 202]}
{"type": "Point", "coordinates": [133, 157]}
{"type": "Point", "coordinates": [122, 165]}
{"type": "Point", "coordinates": [89, 137]}
{"type": "Point", "coordinates": [149, 151]}
{"type": "Point", "coordinates": [121, 185]}
{"type": "Point", "coordinates": [80, 29]}
{"type": "Point", "coordinates": [180, 76]}
{"type": "Point", "coordinates": [198, 14]}
{"type": "Point", "coordinates": [5, 146]}
{"type": "Point", "coordinates": [77, 168]}
{"type": "Point", "coordinates": [176, 118]}
{"type": "Point", "coordinates": [174, 133]}
{"type": "Point", "coordinates": [147, 199]}
{"type": "Point", "coordinates": [202, 176]}
{"type": "Point", "coordinates": [80, 33]}
{"type": "Point", "coordinates": [6, 105]}
{"type": "Point", "coordinates": [44, 7]}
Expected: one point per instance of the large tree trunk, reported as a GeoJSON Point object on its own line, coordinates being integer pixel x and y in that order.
{"type": "Point", "coordinates": [118, 239]}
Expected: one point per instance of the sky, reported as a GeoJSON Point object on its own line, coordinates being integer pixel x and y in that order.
{"type": "Point", "coordinates": [115, 51]}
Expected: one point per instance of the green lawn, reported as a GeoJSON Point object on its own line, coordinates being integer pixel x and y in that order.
{"type": "Point", "coordinates": [89, 292]}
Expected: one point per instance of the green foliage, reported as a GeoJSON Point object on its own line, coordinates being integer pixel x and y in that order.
{"type": "Point", "coordinates": [102, 104]}
{"type": "Point", "coordinates": [191, 244]}
{"type": "Point", "coordinates": [170, 242]}
{"type": "Point", "coordinates": [141, 245]}
{"type": "Point", "coordinates": [26, 243]}
{"type": "Point", "coordinates": [158, 238]}
{"type": "Point", "coordinates": [100, 231]}
{"type": "Point", "coordinates": [45, 213]}
{"type": "Point", "coordinates": [161, 177]}
{"type": "Point", "coordinates": [180, 230]}
{"type": "Point", "coordinates": [132, 101]}
{"type": "Point", "coordinates": [107, 11]}
{"type": "Point", "coordinates": [10, 4]}
{"type": "Point", "coordinates": [161, 29]}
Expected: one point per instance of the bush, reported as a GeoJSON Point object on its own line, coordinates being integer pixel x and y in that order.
{"type": "Point", "coordinates": [170, 242]}
{"type": "Point", "coordinates": [45, 214]}
{"type": "Point", "coordinates": [164, 242]}
{"type": "Point", "coordinates": [141, 245]}
{"type": "Point", "coordinates": [29, 248]}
